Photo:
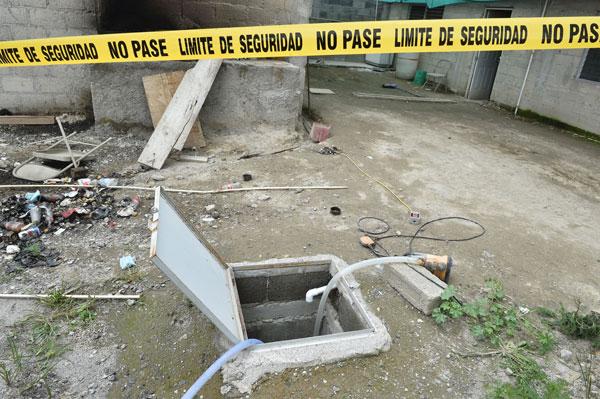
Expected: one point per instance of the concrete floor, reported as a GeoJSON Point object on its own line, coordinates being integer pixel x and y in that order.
{"type": "Point", "coordinates": [536, 189]}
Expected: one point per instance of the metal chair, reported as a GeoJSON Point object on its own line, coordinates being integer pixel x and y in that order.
{"type": "Point", "coordinates": [37, 171]}
{"type": "Point", "coordinates": [439, 76]}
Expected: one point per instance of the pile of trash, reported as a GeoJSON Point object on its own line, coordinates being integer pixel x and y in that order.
{"type": "Point", "coordinates": [25, 218]}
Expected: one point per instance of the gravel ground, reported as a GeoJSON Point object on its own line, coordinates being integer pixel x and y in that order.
{"type": "Point", "coordinates": [535, 188]}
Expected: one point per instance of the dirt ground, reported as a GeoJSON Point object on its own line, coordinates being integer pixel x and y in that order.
{"type": "Point", "coordinates": [535, 188]}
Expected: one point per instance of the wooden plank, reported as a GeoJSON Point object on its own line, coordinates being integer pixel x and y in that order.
{"type": "Point", "coordinates": [26, 120]}
{"type": "Point", "coordinates": [403, 98]}
{"type": "Point", "coordinates": [196, 136]}
{"type": "Point", "coordinates": [160, 90]}
{"type": "Point", "coordinates": [316, 90]}
{"type": "Point", "coordinates": [181, 114]}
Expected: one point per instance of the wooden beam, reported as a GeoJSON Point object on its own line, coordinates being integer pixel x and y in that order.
{"type": "Point", "coordinates": [403, 98]}
{"type": "Point", "coordinates": [42, 296]}
{"type": "Point", "coordinates": [181, 113]}
{"type": "Point", "coordinates": [160, 90]}
{"type": "Point", "coordinates": [26, 120]}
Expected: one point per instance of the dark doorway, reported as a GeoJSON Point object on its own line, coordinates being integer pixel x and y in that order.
{"type": "Point", "coordinates": [486, 65]}
{"type": "Point", "coordinates": [119, 16]}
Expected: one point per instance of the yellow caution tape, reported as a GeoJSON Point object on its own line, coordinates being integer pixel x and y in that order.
{"type": "Point", "coordinates": [309, 40]}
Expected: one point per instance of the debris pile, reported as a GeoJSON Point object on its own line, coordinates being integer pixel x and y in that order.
{"type": "Point", "coordinates": [25, 218]}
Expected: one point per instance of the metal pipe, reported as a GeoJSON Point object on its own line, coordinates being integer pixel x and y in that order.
{"type": "Point", "coordinates": [529, 66]}
{"type": "Point", "coordinates": [350, 269]}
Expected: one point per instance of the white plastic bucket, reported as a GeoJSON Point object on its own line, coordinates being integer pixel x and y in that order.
{"type": "Point", "coordinates": [406, 65]}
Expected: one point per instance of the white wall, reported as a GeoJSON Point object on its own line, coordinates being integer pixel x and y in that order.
{"type": "Point", "coordinates": [553, 88]}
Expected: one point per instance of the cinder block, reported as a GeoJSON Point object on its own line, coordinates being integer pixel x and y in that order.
{"type": "Point", "coordinates": [79, 19]}
{"type": "Point", "coordinates": [29, 3]}
{"type": "Point", "coordinates": [28, 32]}
{"type": "Point", "coordinates": [67, 4]}
{"type": "Point", "coordinates": [6, 33]}
{"type": "Point", "coordinates": [46, 17]}
{"type": "Point", "coordinates": [14, 15]}
{"type": "Point", "coordinates": [200, 13]}
{"type": "Point", "coordinates": [231, 15]}
{"type": "Point", "coordinates": [417, 285]}
{"type": "Point", "coordinates": [52, 85]}
{"type": "Point", "coordinates": [17, 84]}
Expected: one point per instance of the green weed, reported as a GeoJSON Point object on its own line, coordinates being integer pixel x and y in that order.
{"type": "Point", "coordinates": [587, 373]}
{"type": "Point", "coordinates": [56, 299]}
{"type": "Point", "coordinates": [15, 353]}
{"type": "Point", "coordinates": [6, 374]}
{"type": "Point", "coordinates": [552, 390]}
{"type": "Point", "coordinates": [34, 346]}
{"type": "Point", "coordinates": [497, 322]}
{"type": "Point", "coordinates": [84, 312]}
{"type": "Point", "coordinates": [34, 249]}
{"type": "Point", "coordinates": [578, 325]}
{"type": "Point", "coordinates": [545, 342]}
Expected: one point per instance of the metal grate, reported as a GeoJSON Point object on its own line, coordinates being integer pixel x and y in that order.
{"type": "Point", "coordinates": [591, 66]}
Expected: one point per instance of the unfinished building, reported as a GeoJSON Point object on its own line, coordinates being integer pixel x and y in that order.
{"type": "Point", "coordinates": [258, 96]}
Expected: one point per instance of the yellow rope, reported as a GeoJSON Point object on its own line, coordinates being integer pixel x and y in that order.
{"type": "Point", "coordinates": [382, 184]}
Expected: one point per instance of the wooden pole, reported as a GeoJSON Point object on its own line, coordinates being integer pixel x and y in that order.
{"type": "Point", "coordinates": [42, 296]}
{"type": "Point", "coordinates": [177, 190]}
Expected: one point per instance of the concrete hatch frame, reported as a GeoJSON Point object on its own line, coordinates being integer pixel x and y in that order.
{"type": "Point", "coordinates": [268, 300]}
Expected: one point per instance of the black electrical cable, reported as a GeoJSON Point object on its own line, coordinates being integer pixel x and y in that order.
{"type": "Point", "coordinates": [380, 251]}
{"type": "Point", "coordinates": [416, 235]}
{"type": "Point", "coordinates": [375, 232]}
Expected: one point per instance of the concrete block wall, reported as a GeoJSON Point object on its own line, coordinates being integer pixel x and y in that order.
{"type": "Point", "coordinates": [45, 89]}
{"type": "Point", "coordinates": [343, 10]}
{"type": "Point", "coordinates": [553, 89]}
{"type": "Point", "coordinates": [215, 13]}
{"type": "Point", "coordinates": [247, 95]}
{"type": "Point", "coordinates": [42, 90]}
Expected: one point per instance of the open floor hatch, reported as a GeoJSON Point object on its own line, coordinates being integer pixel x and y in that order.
{"type": "Point", "coordinates": [265, 300]}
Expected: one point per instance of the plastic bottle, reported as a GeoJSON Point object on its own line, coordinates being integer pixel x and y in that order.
{"type": "Point", "coordinates": [108, 182]}
{"type": "Point", "coordinates": [35, 214]}
{"type": "Point", "coordinates": [13, 226]}
{"type": "Point", "coordinates": [31, 232]}
{"type": "Point", "coordinates": [135, 202]}
{"type": "Point", "coordinates": [52, 197]}
{"type": "Point", "coordinates": [86, 182]}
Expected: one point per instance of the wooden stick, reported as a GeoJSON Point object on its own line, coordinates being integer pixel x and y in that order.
{"type": "Point", "coordinates": [41, 296]}
{"type": "Point", "coordinates": [62, 131]}
{"type": "Point", "coordinates": [403, 98]}
{"type": "Point", "coordinates": [85, 155]}
{"type": "Point", "coordinates": [26, 120]}
{"type": "Point", "coordinates": [177, 190]}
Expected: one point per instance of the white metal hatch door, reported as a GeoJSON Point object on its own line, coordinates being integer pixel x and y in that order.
{"type": "Point", "coordinates": [182, 254]}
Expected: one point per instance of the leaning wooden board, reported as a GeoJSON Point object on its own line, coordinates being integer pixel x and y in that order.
{"type": "Point", "coordinates": [26, 120]}
{"type": "Point", "coordinates": [160, 89]}
{"type": "Point", "coordinates": [181, 113]}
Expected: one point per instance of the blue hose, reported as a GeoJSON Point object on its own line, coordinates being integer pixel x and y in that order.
{"type": "Point", "coordinates": [216, 366]}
